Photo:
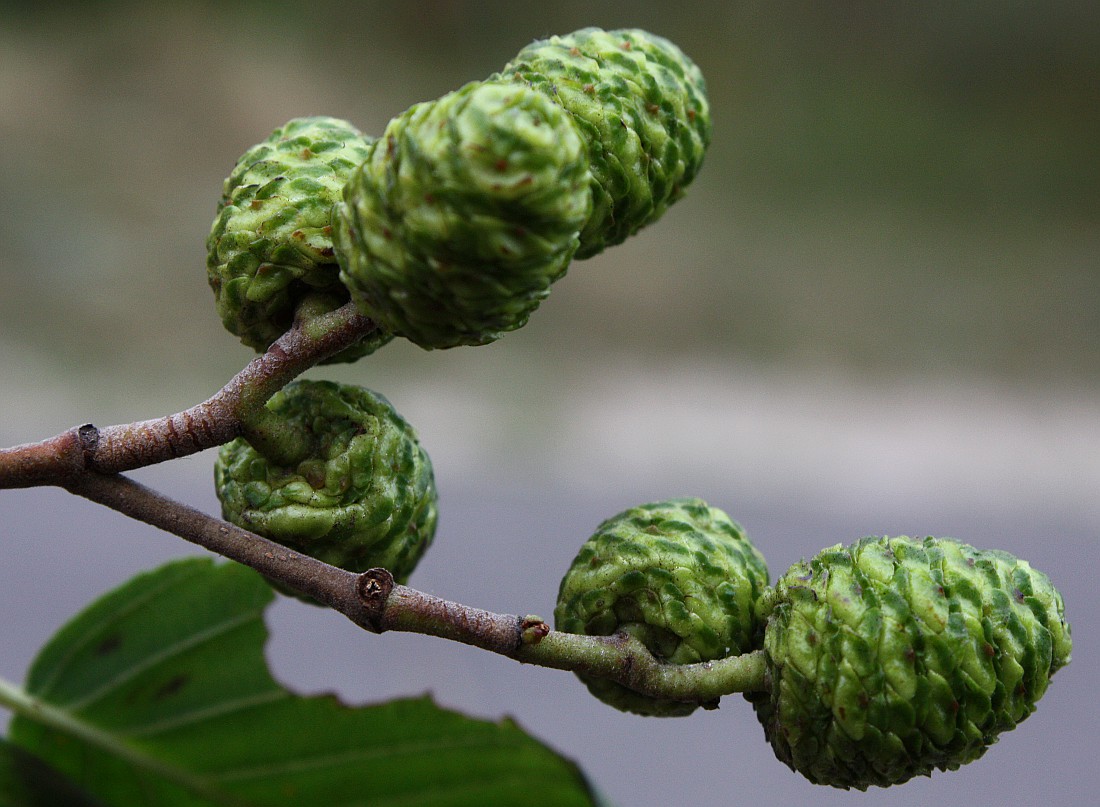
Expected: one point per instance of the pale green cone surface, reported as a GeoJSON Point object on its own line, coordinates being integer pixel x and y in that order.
{"type": "Point", "coordinates": [271, 243]}
{"type": "Point", "coordinates": [365, 496]}
{"type": "Point", "coordinates": [897, 656]}
{"type": "Point", "coordinates": [678, 575]}
{"type": "Point", "coordinates": [463, 214]}
{"type": "Point", "coordinates": [641, 107]}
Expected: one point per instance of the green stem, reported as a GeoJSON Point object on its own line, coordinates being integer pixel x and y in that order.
{"type": "Point", "coordinates": [703, 682]}
{"type": "Point", "coordinates": [280, 440]}
{"type": "Point", "coordinates": [38, 711]}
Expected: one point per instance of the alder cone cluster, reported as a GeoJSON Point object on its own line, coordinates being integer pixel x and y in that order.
{"type": "Point", "coordinates": [450, 228]}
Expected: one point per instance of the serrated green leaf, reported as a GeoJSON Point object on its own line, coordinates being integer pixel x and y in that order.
{"type": "Point", "coordinates": [27, 781]}
{"type": "Point", "coordinates": [158, 694]}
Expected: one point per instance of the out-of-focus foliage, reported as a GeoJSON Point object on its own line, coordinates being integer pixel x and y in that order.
{"type": "Point", "coordinates": [897, 187]}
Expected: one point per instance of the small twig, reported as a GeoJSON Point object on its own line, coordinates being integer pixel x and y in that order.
{"type": "Point", "coordinates": [215, 421]}
{"type": "Point", "coordinates": [373, 601]}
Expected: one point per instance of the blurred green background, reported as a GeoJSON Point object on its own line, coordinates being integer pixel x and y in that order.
{"type": "Point", "coordinates": [877, 310]}
{"type": "Point", "coordinates": [893, 189]}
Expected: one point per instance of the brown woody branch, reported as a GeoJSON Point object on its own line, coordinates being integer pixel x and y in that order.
{"type": "Point", "coordinates": [215, 421]}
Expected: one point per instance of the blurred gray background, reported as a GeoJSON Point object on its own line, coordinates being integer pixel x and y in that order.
{"type": "Point", "coordinates": [876, 312]}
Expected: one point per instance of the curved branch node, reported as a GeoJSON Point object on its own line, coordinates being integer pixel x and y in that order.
{"type": "Point", "coordinates": [373, 588]}
{"type": "Point", "coordinates": [88, 435]}
{"type": "Point", "coordinates": [533, 629]}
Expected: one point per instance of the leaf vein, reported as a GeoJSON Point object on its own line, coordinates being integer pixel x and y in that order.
{"type": "Point", "coordinates": [383, 751]}
{"type": "Point", "coordinates": [194, 716]}
{"type": "Point", "coordinates": [95, 633]}
{"type": "Point", "coordinates": [177, 648]}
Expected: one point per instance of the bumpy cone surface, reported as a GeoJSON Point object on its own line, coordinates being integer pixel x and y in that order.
{"type": "Point", "coordinates": [897, 656]}
{"type": "Point", "coordinates": [271, 243]}
{"type": "Point", "coordinates": [365, 496]}
{"type": "Point", "coordinates": [678, 575]}
{"type": "Point", "coordinates": [464, 213]}
{"type": "Point", "coordinates": [641, 107]}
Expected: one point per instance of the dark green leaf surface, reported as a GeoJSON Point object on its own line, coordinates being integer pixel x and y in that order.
{"type": "Point", "coordinates": [27, 781]}
{"type": "Point", "coordinates": [158, 694]}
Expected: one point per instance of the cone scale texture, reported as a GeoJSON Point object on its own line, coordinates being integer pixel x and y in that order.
{"type": "Point", "coordinates": [270, 246]}
{"type": "Point", "coordinates": [463, 214]}
{"type": "Point", "coordinates": [365, 496]}
{"type": "Point", "coordinates": [678, 575]}
{"type": "Point", "coordinates": [641, 107]}
{"type": "Point", "coordinates": [895, 657]}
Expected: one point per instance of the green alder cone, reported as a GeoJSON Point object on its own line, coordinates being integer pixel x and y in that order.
{"type": "Point", "coordinates": [897, 656]}
{"type": "Point", "coordinates": [270, 246]}
{"type": "Point", "coordinates": [364, 497]}
{"type": "Point", "coordinates": [641, 107]}
{"type": "Point", "coordinates": [678, 575]}
{"type": "Point", "coordinates": [463, 214]}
